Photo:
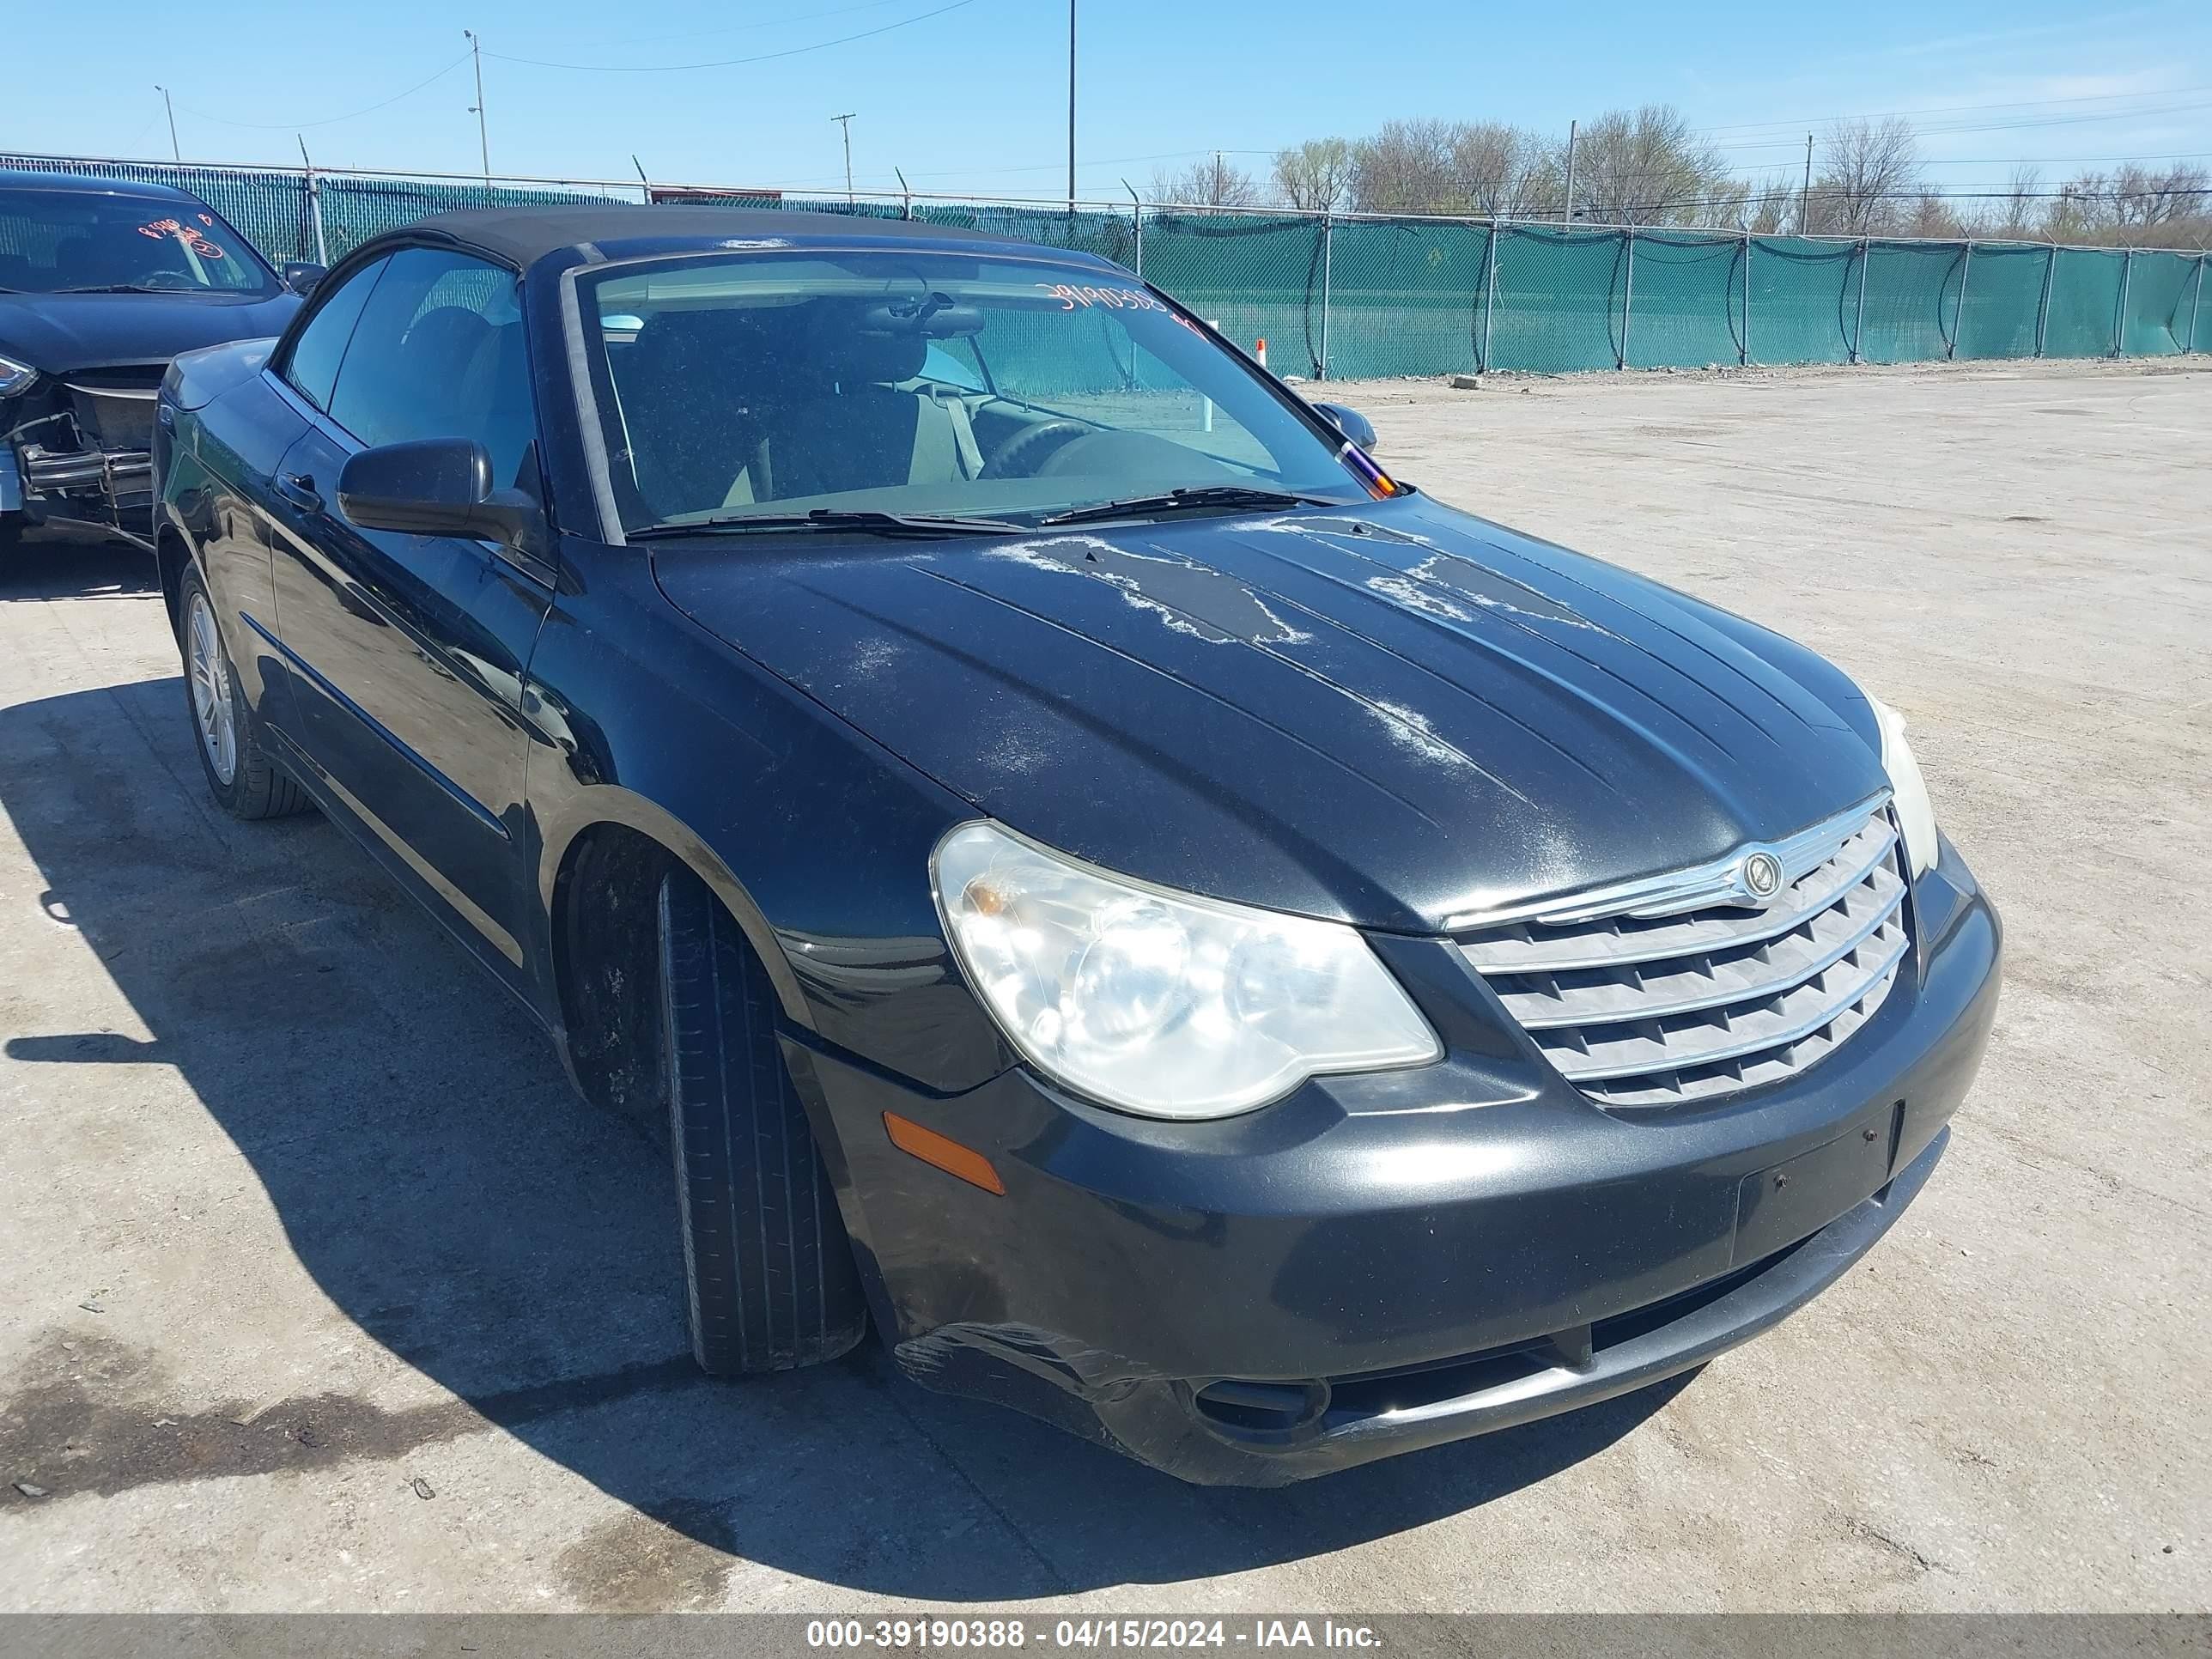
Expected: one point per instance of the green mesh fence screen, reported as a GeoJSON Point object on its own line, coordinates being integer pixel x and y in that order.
{"type": "Point", "coordinates": [1257, 277]}
{"type": "Point", "coordinates": [2085, 303]}
{"type": "Point", "coordinates": [354, 210]}
{"type": "Point", "coordinates": [2004, 285]}
{"type": "Point", "coordinates": [1686, 305]}
{"type": "Point", "coordinates": [1559, 299]}
{"type": "Point", "coordinates": [1404, 297]}
{"type": "Point", "coordinates": [1804, 300]}
{"type": "Point", "coordinates": [1387, 296]}
{"type": "Point", "coordinates": [1912, 301]}
{"type": "Point", "coordinates": [2155, 321]}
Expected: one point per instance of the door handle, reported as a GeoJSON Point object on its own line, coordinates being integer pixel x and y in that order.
{"type": "Point", "coordinates": [299, 490]}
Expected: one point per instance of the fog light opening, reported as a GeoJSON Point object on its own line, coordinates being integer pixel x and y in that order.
{"type": "Point", "coordinates": [1262, 1410]}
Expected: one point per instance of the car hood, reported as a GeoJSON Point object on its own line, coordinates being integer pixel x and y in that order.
{"type": "Point", "coordinates": [1401, 716]}
{"type": "Point", "coordinates": [61, 333]}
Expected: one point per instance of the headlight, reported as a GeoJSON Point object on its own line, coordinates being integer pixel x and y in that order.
{"type": "Point", "coordinates": [1915, 815]}
{"type": "Point", "coordinates": [15, 376]}
{"type": "Point", "coordinates": [1162, 1003]}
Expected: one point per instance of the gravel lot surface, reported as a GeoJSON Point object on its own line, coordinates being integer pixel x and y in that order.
{"type": "Point", "coordinates": [320, 1290]}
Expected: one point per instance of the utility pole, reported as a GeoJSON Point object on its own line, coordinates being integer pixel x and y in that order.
{"type": "Point", "coordinates": [175, 154]}
{"type": "Point", "coordinates": [846, 122]}
{"type": "Point", "coordinates": [1567, 213]}
{"type": "Point", "coordinates": [477, 109]}
{"type": "Point", "coordinates": [1805, 212]}
{"type": "Point", "coordinates": [314, 201]}
{"type": "Point", "coordinates": [1071, 108]}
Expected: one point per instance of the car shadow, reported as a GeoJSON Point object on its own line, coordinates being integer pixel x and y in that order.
{"type": "Point", "coordinates": [73, 564]}
{"type": "Point", "coordinates": [442, 1186]}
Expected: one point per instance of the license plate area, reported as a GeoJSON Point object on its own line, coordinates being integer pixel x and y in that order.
{"type": "Point", "coordinates": [1788, 1201]}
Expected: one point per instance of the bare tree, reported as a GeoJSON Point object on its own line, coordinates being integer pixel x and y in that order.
{"type": "Point", "coordinates": [1214, 182]}
{"type": "Point", "coordinates": [2150, 204]}
{"type": "Point", "coordinates": [1495, 166]}
{"type": "Point", "coordinates": [2134, 206]}
{"type": "Point", "coordinates": [1315, 176]}
{"type": "Point", "coordinates": [1773, 206]}
{"type": "Point", "coordinates": [1644, 167]}
{"type": "Point", "coordinates": [1408, 167]}
{"type": "Point", "coordinates": [1933, 219]}
{"type": "Point", "coordinates": [1869, 171]}
{"type": "Point", "coordinates": [1726, 205]}
{"type": "Point", "coordinates": [2015, 212]}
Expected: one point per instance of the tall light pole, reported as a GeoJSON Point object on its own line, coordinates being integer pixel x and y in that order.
{"type": "Point", "coordinates": [1567, 214]}
{"type": "Point", "coordinates": [477, 109]}
{"type": "Point", "coordinates": [175, 154]}
{"type": "Point", "coordinates": [1071, 108]}
{"type": "Point", "coordinates": [846, 121]}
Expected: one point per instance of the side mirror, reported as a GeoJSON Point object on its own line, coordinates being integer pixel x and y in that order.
{"type": "Point", "coordinates": [300, 276]}
{"type": "Point", "coordinates": [1350, 423]}
{"type": "Point", "coordinates": [437, 487]}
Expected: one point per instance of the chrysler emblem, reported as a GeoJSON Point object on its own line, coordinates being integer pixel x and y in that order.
{"type": "Point", "coordinates": [1761, 876]}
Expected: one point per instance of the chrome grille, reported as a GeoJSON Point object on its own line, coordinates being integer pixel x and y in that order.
{"type": "Point", "coordinates": [1640, 1000]}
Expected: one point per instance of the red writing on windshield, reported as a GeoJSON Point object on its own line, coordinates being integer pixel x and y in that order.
{"type": "Point", "coordinates": [189, 235]}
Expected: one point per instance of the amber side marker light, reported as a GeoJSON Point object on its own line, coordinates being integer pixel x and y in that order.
{"type": "Point", "coordinates": [946, 1154]}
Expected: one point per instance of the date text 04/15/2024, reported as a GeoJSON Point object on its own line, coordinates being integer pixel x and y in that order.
{"type": "Point", "coordinates": [1087, 1635]}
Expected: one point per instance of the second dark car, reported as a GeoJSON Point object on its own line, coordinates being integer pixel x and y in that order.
{"type": "Point", "coordinates": [102, 281]}
{"type": "Point", "coordinates": [1178, 930]}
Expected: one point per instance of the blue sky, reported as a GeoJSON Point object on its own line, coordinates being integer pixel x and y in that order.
{"type": "Point", "coordinates": [973, 99]}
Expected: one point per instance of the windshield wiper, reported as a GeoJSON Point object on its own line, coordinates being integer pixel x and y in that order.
{"type": "Point", "coordinates": [1204, 495]}
{"type": "Point", "coordinates": [825, 517]}
{"type": "Point", "coordinates": [117, 288]}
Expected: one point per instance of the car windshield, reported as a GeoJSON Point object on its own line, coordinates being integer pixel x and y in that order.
{"type": "Point", "coordinates": [63, 242]}
{"type": "Point", "coordinates": [732, 388]}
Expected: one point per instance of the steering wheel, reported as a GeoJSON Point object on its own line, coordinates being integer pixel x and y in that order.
{"type": "Point", "coordinates": [164, 276]}
{"type": "Point", "coordinates": [1004, 461]}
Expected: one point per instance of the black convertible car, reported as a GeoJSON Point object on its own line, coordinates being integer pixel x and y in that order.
{"type": "Point", "coordinates": [102, 281]}
{"type": "Point", "coordinates": [1184, 933]}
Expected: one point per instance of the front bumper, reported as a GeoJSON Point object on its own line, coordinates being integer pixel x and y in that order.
{"type": "Point", "coordinates": [80, 456]}
{"type": "Point", "coordinates": [1380, 1263]}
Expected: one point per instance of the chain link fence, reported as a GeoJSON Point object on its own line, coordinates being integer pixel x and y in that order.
{"type": "Point", "coordinates": [1345, 296]}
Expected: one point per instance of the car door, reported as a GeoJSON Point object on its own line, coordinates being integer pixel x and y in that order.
{"type": "Point", "coordinates": [295, 388]}
{"type": "Point", "coordinates": [408, 651]}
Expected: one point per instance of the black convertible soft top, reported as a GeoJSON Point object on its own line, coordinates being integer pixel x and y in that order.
{"type": "Point", "coordinates": [519, 236]}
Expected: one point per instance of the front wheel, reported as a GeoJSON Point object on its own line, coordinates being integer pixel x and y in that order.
{"type": "Point", "coordinates": [769, 1270]}
{"type": "Point", "coordinates": [240, 775]}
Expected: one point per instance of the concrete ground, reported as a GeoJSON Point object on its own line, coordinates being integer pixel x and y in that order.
{"type": "Point", "coordinates": [320, 1291]}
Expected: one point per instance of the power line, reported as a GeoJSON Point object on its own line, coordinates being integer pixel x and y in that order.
{"type": "Point", "coordinates": [733, 62]}
{"type": "Point", "coordinates": [1094, 165]}
{"type": "Point", "coordinates": [328, 120]}
{"type": "Point", "coordinates": [1954, 109]}
{"type": "Point", "coordinates": [1939, 130]}
{"type": "Point", "coordinates": [768, 23]}
{"type": "Point", "coordinates": [2066, 160]}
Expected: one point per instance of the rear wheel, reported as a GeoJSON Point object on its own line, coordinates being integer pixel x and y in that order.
{"type": "Point", "coordinates": [768, 1269]}
{"type": "Point", "coordinates": [244, 780]}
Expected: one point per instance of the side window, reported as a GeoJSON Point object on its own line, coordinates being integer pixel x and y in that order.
{"type": "Point", "coordinates": [313, 366]}
{"type": "Point", "coordinates": [439, 354]}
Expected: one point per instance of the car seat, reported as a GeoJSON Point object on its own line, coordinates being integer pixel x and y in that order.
{"type": "Point", "coordinates": [851, 424]}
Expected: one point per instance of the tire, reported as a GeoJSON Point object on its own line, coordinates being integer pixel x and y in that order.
{"type": "Point", "coordinates": [227, 733]}
{"type": "Point", "coordinates": [771, 1280]}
